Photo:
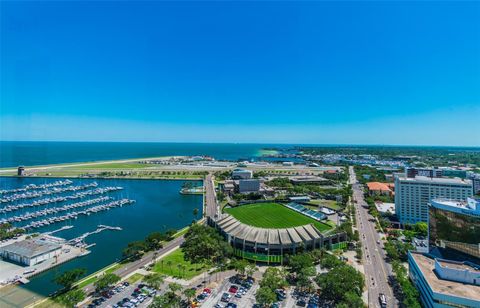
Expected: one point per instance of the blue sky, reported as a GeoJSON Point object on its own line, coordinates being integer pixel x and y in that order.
{"type": "Point", "coordinates": [287, 72]}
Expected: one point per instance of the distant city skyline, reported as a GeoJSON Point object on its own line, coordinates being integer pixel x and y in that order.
{"type": "Point", "coordinates": [399, 73]}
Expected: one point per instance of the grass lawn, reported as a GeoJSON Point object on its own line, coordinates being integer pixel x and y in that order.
{"type": "Point", "coordinates": [332, 204]}
{"type": "Point", "coordinates": [111, 166]}
{"type": "Point", "coordinates": [169, 266]}
{"type": "Point", "coordinates": [134, 278]}
{"type": "Point", "coordinates": [272, 215]}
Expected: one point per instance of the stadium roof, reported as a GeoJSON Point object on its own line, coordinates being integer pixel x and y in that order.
{"type": "Point", "coordinates": [285, 236]}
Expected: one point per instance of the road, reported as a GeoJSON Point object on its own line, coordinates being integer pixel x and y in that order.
{"type": "Point", "coordinates": [211, 204]}
{"type": "Point", "coordinates": [376, 268]}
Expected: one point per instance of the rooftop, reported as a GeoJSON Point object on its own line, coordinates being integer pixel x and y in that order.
{"type": "Point", "coordinates": [470, 206]}
{"type": "Point", "coordinates": [426, 179]}
{"type": "Point", "coordinates": [452, 288]}
{"type": "Point", "coordinates": [30, 248]}
{"type": "Point", "coordinates": [378, 186]}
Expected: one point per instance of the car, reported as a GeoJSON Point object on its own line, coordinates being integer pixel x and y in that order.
{"type": "Point", "coordinates": [92, 305]}
{"type": "Point", "coordinates": [125, 299]}
{"type": "Point", "coordinates": [207, 290]}
{"type": "Point", "coordinates": [232, 305]}
{"type": "Point", "coordinates": [310, 305]}
{"type": "Point", "coordinates": [274, 305]}
{"type": "Point", "coordinates": [125, 283]}
{"type": "Point", "coordinates": [218, 306]}
{"type": "Point", "coordinates": [238, 295]}
{"type": "Point", "coordinates": [225, 297]}
{"type": "Point", "coordinates": [115, 306]}
{"type": "Point", "coordinates": [301, 303]}
{"type": "Point", "coordinates": [134, 301]}
{"type": "Point", "coordinates": [233, 289]}
{"type": "Point", "coordinates": [201, 297]}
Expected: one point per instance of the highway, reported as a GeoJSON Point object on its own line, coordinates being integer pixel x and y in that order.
{"type": "Point", "coordinates": [376, 268]}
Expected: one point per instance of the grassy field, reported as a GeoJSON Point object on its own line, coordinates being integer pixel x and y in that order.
{"type": "Point", "coordinates": [112, 166]}
{"type": "Point", "coordinates": [327, 203]}
{"type": "Point", "coordinates": [175, 265]}
{"type": "Point", "coordinates": [272, 215]}
{"type": "Point", "coordinates": [134, 278]}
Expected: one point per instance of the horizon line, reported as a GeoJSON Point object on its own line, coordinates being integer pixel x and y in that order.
{"type": "Point", "coordinates": [253, 143]}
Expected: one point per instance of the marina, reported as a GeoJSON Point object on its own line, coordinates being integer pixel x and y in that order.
{"type": "Point", "coordinates": [45, 192]}
{"type": "Point", "coordinates": [99, 234]}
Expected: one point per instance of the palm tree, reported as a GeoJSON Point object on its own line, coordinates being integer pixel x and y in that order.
{"type": "Point", "coordinates": [154, 280]}
{"type": "Point", "coordinates": [179, 267]}
{"type": "Point", "coordinates": [169, 264]}
{"type": "Point", "coordinates": [250, 270]}
{"type": "Point", "coordinates": [189, 294]}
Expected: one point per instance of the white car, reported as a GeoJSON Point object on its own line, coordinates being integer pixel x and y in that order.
{"type": "Point", "coordinates": [134, 301]}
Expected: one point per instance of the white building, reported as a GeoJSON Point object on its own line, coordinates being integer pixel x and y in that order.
{"type": "Point", "coordinates": [30, 252]}
{"type": "Point", "coordinates": [242, 174]}
{"type": "Point", "coordinates": [412, 195]}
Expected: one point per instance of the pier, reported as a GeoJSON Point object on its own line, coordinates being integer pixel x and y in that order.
{"type": "Point", "coordinates": [58, 230]}
{"type": "Point", "coordinates": [76, 241]}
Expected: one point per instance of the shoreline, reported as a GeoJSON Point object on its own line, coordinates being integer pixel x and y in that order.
{"type": "Point", "coordinates": [87, 163]}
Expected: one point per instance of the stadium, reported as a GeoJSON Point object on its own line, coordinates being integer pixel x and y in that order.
{"type": "Point", "coordinates": [266, 232]}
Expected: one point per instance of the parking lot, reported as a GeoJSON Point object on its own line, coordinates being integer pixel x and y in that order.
{"type": "Point", "coordinates": [241, 296]}
{"type": "Point", "coordinates": [124, 295]}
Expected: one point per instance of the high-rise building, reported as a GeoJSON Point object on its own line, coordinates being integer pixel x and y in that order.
{"type": "Point", "coordinates": [455, 226]}
{"type": "Point", "coordinates": [411, 172]}
{"type": "Point", "coordinates": [412, 195]}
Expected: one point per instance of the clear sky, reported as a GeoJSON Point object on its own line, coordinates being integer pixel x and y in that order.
{"type": "Point", "coordinates": [286, 72]}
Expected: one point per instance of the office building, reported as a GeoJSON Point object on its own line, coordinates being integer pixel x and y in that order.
{"type": "Point", "coordinates": [242, 174]}
{"type": "Point", "coordinates": [247, 186]}
{"type": "Point", "coordinates": [454, 226]}
{"type": "Point", "coordinates": [413, 195]}
{"type": "Point", "coordinates": [411, 172]}
{"type": "Point", "coordinates": [443, 283]}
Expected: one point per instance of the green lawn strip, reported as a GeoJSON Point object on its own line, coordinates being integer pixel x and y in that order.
{"type": "Point", "coordinates": [181, 232]}
{"type": "Point", "coordinates": [272, 215]}
{"type": "Point", "coordinates": [114, 268]}
{"type": "Point", "coordinates": [134, 278]}
{"type": "Point", "coordinates": [86, 282]}
{"type": "Point", "coordinates": [326, 203]}
{"type": "Point", "coordinates": [111, 166]}
{"type": "Point", "coordinates": [169, 265]}
{"type": "Point", "coordinates": [92, 277]}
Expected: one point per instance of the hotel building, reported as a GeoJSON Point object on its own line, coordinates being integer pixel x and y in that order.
{"type": "Point", "coordinates": [413, 195]}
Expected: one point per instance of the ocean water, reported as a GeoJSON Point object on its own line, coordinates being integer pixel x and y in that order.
{"type": "Point", "coordinates": [159, 206]}
{"type": "Point", "coordinates": [15, 153]}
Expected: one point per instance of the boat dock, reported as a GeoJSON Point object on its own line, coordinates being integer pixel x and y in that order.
{"type": "Point", "coordinates": [79, 240]}
{"type": "Point", "coordinates": [58, 230]}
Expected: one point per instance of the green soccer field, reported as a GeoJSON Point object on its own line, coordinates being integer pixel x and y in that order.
{"type": "Point", "coordinates": [272, 215]}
